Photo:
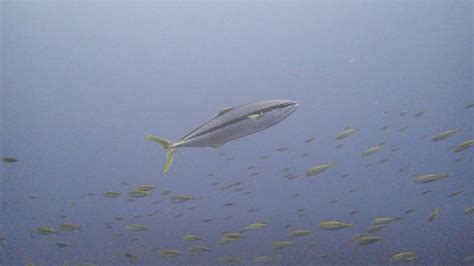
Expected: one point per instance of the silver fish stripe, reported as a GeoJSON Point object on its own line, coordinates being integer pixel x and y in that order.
{"type": "Point", "coordinates": [231, 124]}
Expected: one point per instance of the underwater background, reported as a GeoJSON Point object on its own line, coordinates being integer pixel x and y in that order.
{"type": "Point", "coordinates": [82, 83]}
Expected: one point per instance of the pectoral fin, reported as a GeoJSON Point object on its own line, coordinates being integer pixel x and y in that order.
{"type": "Point", "coordinates": [255, 116]}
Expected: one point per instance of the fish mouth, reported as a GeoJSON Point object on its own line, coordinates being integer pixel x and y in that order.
{"type": "Point", "coordinates": [293, 105]}
{"type": "Point", "coordinates": [290, 107]}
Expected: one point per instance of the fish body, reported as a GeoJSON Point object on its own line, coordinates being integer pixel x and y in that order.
{"type": "Point", "coordinates": [455, 193]}
{"type": "Point", "coordinates": [371, 150]}
{"type": "Point", "coordinates": [180, 199]}
{"type": "Point", "coordinates": [9, 160]}
{"type": "Point", "coordinates": [136, 227]}
{"type": "Point", "coordinates": [429, 177]}
{"type": "Point", "coordinates": [469, 210]}
{"type": "Point", "coordinates": [318, 169]}
{"type": "Point", "coordinates": [405, 256]}
{"type": "Point", "coordinates": [434, 215]}
{"type": "Point", "coordinates": [198, 249]}
{"type": "Point", "coordinates": [230, 124]}
{"type": "Point", "coordinates": [376, 228]}
{"type": "Point", "coordinates": [444, 135]}
{"type": "Point", "coordinates": [46, 230]}
{"type": "Point", "coordinates": [463, 146]}
{"type": "Point", "coordinates": [346, 132]}
{"type": "Point", "coordinates": [263, 259]}
{"type": "Point", "coordinates": [139, 193]}
{"type": "Point", "coordinates": [171, 253]}
{"type": "Point", "coordinates": [227, 259]}
{"type": "Point", "coordinates": [365, 239]}
{"type": "Point", "coordinates": [61, 244]}
{"type": "Point", "coordinates": [111, 194]}
{"type": "Point", "coordinates": [69, 227]}
{"type": "Point", "coordinates": [353, 212]}
{"type": "Point", "coordinates": [468, 259]}
{"type": "Point", "coordinates": [418, 114]}
{"type": "Point", "coordinates": [333, 225]}
{"type": "Point", "coordinates": [384, 220]}
{"type": "Point", "coordinates": [145, 188]}
{"type": "Point", "coordinates": [255, 226]}
{"type": "Point", "coordinates": [300, 233]}
{"type": "Point", "coordinates": [192, 238]}
{"type": "Point", "coordinates": [282, 244]}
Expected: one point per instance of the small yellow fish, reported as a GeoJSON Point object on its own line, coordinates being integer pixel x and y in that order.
{"type": "Point", "coordinates": [318, 169]}
{"type": "Point", "coordinates": [282, 149]}
{"type": "Point", "coordinates": [46, 230]}
{"type": "Point", "coordinates": [455, 193]}
{"type": "Point", "coordinates": [376, 228]}
{"type": "Point", "coordinates": [434, 215]}
{"type": "Point", "coordinates": [462, 146]}
{"type": "Point", "coordinates": [9, 160]}
{"type": "Point", "coordinates": [198, 249]}
{"type": "Point", "coordinates": [418, 114]}
{"type": "Point", "coordinates": [227, 259]}
{"type": "Point", "coordinates": [429, 178]}
{"type": "Point", "coordinates": [346, 132]}
{"type": "Point", "coordinates": [254, 226]}
{"type": "Point", "coordinates": [334, 225]}
{"type": "Point", "coordinates": [139, 194]}
{"type": "Point", "coordinates": [468, 259]}
{"type": "Point", "coordinates": [171, 253]}
{"type": "Point", "coordinates": [192, 238]}
{"type": "Point", "coordinates": [282, 244]}
{"type": "Point", "coordinates": [69, 227]}
{"type": "Point", "coordinates": [180, 199]}
{"type": "Point", "coordinates": [235, 236]}
{"type": "Point", "coordinates": [300, 233]}
{"type": "Point", "coordinates": [469, 210]}
{"type": "Point", "coordinates": [372, 149]}
{"type": "Point", "coordinates": [405, 256]}
{"type": "Point", "coordinates": [145, 188]}
{"type": "Point", "coordinates": [445, 135]}
{"type": "Point", "coordinates": [469, 105]}
{"type": "Point", "coordinates": [136, 227]}
{"type": "Point", "coordinates": [263, 259]}
{"type": "Point", "coordinates": [61, 244]}
{"type": "Point", "coordinates": [111, 194]}
{"type": "Point", "coordinates": [384, 220]}
{"type": "Point", "coordinates": [353, 212]}
{"type": "Point", "coordinates": [365, 239]}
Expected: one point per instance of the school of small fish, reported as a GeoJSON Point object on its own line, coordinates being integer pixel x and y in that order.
{"type": "Point", "coordinates": [138, 227]}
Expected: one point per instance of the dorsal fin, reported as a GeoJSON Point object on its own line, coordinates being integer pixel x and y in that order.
{"type": "Point", "coordinates": [223, 110]}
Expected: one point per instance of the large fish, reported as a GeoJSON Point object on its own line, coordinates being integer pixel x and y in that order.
{"type": "Point", "coordinates": [229, 124]}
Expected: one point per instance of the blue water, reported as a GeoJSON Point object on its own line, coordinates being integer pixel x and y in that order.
{"type": "Point", "coordinates": [82, 84]}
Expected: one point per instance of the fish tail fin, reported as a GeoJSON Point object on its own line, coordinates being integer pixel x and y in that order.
{"type": "Point", "coordinates": [168, 146]}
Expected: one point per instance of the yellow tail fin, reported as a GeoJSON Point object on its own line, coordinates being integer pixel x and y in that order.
{"type": "Point", "coordinates": [168, 146]}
